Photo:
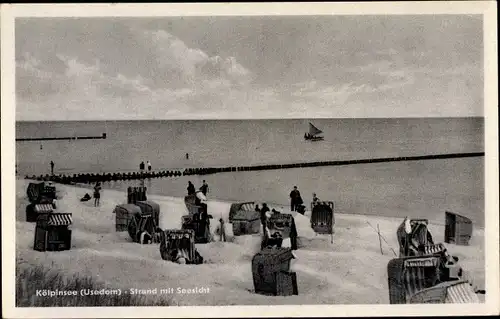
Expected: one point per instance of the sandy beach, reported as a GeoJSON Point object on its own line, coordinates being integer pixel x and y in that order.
{"type": "Point", "coordinates": [352, 270]}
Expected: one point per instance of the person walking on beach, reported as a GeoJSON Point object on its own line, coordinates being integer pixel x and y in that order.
{"type": "Point", "coordinates": [204, 188]}
{"type": "Point", "coordinates": [295, 198]}
{"type": "Point", "coordinates": [191, 190]}
{"type": "Point", "coordinates": [97, 194]}
{"type": "Point", "coordinates": [52, 167]}
{"type": "Point", "coordinates": [187, 155]}
{"type": "Point", "coordinates": [149, 166]}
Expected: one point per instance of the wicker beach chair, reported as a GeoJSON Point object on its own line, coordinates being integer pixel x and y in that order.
{"type": "Point", "coordinates": [271, 272]}
{"type": "Point", "coordinates": [279, 227]}
{"type": "Point", "coordinates": [123, 214]}
{"type": "Point", "coordinates": [52, 232]}
{"type": "Point", "coordinates": [410, 275]}
{"type": "Point", "coordinates": [459, 291]}
{"type": "Point", "coordinates": [176, 244]}
{"type": "Point", "coordinates": [143, 229]}
{"type": "Point", "coordinates": [201, 228]}
{"type": "Point", "coordinates": [458, 229]}
{"type": "Point", "coordinates": [238, 207]}
{"type": "Point", "coordinates": [412, 242]}
{"type": "Point", "coordinates": [322, 218]}
{"type": "Point", "coordinates": [246, 223]}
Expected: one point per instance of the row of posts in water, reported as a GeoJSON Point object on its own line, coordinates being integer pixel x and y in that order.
{"type": "Point", "coordinates": [105, 177]}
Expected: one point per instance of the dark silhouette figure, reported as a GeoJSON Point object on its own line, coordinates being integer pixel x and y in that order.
{"type": "Point", "coordinates": [191, 189]}
{"type": "Point", "coordinates": [52, 167]}
{"type": "Point", "coordinates": [97, 193]}
{"type": "Point", "coordinates": [187, 155]}
{"type": "Point", "coordinates": [204, 188]}
{"type": "Point", "coordinates": [295, 198]}
{"type": "Point", "coordinates": [141, 166]}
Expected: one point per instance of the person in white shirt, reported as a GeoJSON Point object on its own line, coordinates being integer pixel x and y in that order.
{"type": "Point", "coordinates": [149, 166]}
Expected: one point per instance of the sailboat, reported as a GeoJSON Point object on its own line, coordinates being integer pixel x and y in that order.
{"type": "Point", "coordinates": [314, 134]}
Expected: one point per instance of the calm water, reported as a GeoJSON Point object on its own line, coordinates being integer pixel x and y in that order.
{"type": "Point", "coordinates": [426, 188]}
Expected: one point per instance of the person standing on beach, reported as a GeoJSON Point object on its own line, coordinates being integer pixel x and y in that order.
{"type": "Point", "coordinates": [315, 199]}
{"type": "Point", "coordinates": [149, 166]}
{"type": "Point", "coordinates": [97, 194]}
{"type": "Point", "coordinates": [294, 198]}
{"type": "Point", "coordinates": [52, 167]}
{"type": "Point", "coordinates": [204, 188]}
{"type": "Point", "coordinates": [187, 155]}
{"type": "Point", "coordinates": [263, 216]}
{"type": "Point", "coordinates": [191, 190]}
{"type": "Point", "coordinates": [141, 166]}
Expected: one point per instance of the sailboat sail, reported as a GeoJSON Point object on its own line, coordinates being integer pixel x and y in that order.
{"type": "Point", "coordinates": [313, 130]}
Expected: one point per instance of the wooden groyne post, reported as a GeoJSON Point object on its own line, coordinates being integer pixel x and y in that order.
{"type": "Point", "coordinates": [68, 138]}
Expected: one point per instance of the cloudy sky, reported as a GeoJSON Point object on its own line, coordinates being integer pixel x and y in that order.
{"type": "Point", "coordinates": [249, 67]}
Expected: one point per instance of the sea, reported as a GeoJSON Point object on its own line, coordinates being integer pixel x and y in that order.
{"type": "Point", "coordinates": [419, 189]}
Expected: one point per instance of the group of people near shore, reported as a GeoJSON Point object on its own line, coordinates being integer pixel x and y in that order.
{"type": "Point", "coordinates": [192, 190]}
{"type": "Point", "coordinates": [142, 166]}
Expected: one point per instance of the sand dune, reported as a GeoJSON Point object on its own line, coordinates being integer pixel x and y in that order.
{"type": "Point", "coordinates": [352, 270]}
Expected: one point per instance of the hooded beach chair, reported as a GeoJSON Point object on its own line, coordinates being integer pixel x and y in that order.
{"type": "Point", "coordinates": [237, 207]}
{"type": "Point", "coordinates": [322, 218]}
{"type": "Point", "coordinates": [52, 232]}
{"type": "Point", "coordinates": [123, 214]}
{"type": "Point", "coordinates": [271, 272]}
{"type": "Point", "coordinates": [413, 235]}
{"type": "Point", "coordinates": [458, 229]}
{"type": "Point", "coordinates": [458, 291]}
{"type": "Point", "coordinates": [176, 244]}
{"type": "Point", "coordinates": [142, 228]}
{"type": "Point", "coordinates": [410, 275]}
{"type": "Point", "coordinates": [246, 223]}
{"type": "Point", "coordinates": [280, 226]}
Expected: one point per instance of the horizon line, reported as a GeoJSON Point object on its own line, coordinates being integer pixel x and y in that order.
{"type": "Point", "coordinates": [256, 119]}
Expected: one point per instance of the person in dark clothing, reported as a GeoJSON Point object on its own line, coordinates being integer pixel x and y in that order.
{"type": "Point", "coordinates": [263, 212]}
{"type": "Point", "coordinates": [142, 166]}
{"type": "Point", "coordinates": [204, 188]}
{"type": "Point", "coordinates": [257, 208]}
{"type": "Point", "coordinates": [52, 167]}
{"type": "Point", "coordinates": [187, 155]}
{"type": "Point", "coordinates": [191, 189]}
{"type": "Point", "coordinates": [295, 198]}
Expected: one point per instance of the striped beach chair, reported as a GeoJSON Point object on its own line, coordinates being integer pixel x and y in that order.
{"type": "Point", "coordinates": [409, 275]}
{"type": "Point", "coordinates": [236, 207]}
{"type": "Point", "coordinates": [459, 291]}
{"type": "Point", "coordinates": [52, 232]}
{"type": "Point", "coordinates": [34, 210]}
